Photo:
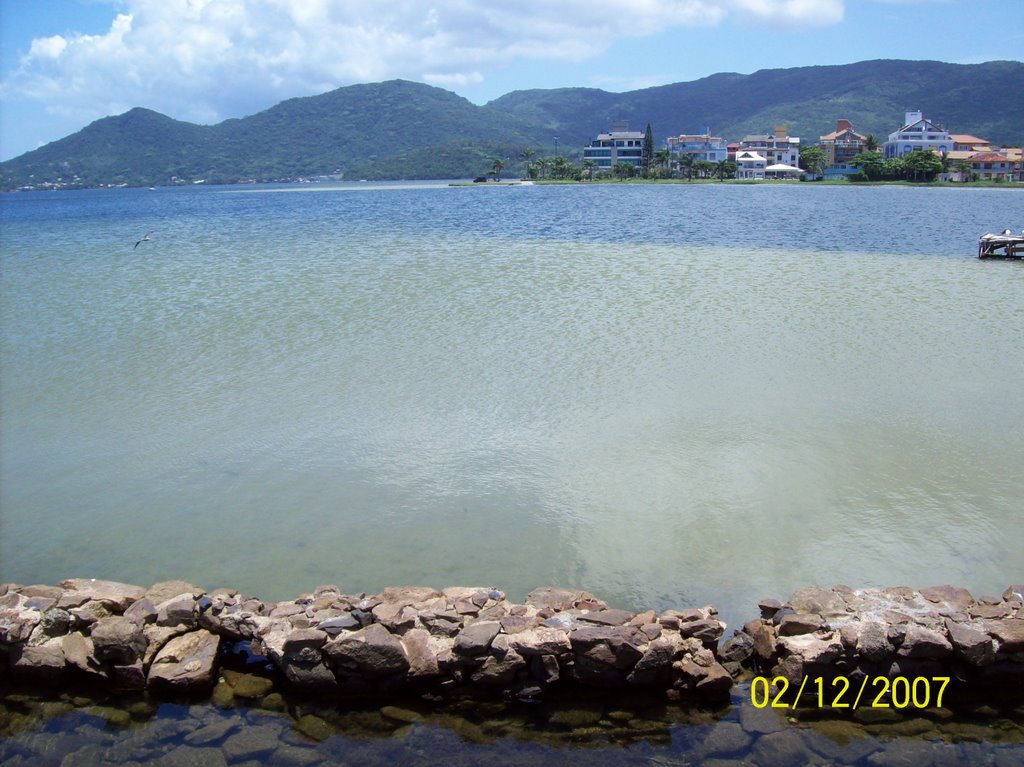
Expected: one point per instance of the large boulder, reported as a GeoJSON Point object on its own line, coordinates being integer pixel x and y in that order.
{"type": "Point", "coordinates": [372, 652]}
{"type": "Point", "coordinates": [186, 663]}
{"type": "Point", "coordinates": [119, 596]}
{"type": "Point", "coordinates": [118, 639]}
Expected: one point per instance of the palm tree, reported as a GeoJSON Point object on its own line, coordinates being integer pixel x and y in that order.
{"type": "Point", "coordinates": [542, 166]}
{"type": "Point", "coordinates": [686, 165]}
{"type": "Point", "coordinates": [527, 155]}
{"type": "Point", "coordinates": [870, 143]}
{"type": "Point", "coordinates": [662, 158]}
{"type": "Point", "coordinates": [496, 168]}
{"type": "Point", "coordinates": [588, 168]}
{"type": "Point", "coordinates": [725, 168]}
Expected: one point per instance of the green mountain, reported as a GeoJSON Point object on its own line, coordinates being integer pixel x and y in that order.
{"type": "Point", "coordinates": [401, 129]}
{"type": "Point", "coordinates": [967, 98]}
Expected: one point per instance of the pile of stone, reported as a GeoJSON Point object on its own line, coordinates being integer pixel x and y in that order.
{"type": "Point", "coordinates": [894, 632]}
{"type": "Point", "coordinates": [171, 637]}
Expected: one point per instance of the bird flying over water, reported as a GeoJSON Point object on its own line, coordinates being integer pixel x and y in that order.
{"type": "Point", "coordinates": [145, 238]}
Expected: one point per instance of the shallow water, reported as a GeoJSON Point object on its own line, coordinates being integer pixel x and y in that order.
{"type": "Point", "coordinates": [666, 395]}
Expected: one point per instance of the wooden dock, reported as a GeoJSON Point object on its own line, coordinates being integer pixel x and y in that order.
{"type": "Point", "coordinates": [1005, 245]}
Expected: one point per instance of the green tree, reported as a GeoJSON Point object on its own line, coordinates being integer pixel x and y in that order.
{"type": "Point", "coordinates": [922, 165]}
{"type": "Point", "coordinates": [725, 168]}
{"type": "Point", "coordinates": [528, 155]}
{"type": "Point", "coordinates": [662, 158]}
{"type": "Point", "coordinates": [496, 168]}
{"type": "Point", "coordinates": [813, 160]}
{"type": "Point", "coordinates": [542, 165]}
{"type": "Point", "coordinates": [704, 168]}
{"type": "Point", "coordinates": [871, 164]}
{"type": "Point", "coordinates": [588, 169]}
{"type": "Point", "coordinates": [870, 143]}
{"type": "Point", "coordinates": [964, 169]}
{"type": "Point", "coordinates": [686, 165]}
{"type": "Point", "coordinates": [647, 152]}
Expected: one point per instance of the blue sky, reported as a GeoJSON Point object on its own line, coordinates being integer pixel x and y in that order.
{"type": "Point", "coordinates": [65, 63]}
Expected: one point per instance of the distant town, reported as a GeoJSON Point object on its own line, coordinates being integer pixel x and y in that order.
{"type": "Point", "coordinates": [919, 150]}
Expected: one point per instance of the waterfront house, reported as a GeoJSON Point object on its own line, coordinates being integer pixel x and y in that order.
{"type": "Point", "coordinates": [778, 148]}
{"type": "Point", "coordinates": [750, 165]}
{"type": "Point", "coordinates": [964, 142]}
{"type": "Point", "coordinates": [1003, 165]}
{"type": "Point", "coordinates": [840, 146]}
{"type": "Point", "coordinates": [699, 146]}
{"type": "Point", "coordinates": [917, 134]}
{"type": "Point", "coordinates": [620, 146]}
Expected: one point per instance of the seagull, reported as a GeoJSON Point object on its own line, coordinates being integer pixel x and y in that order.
{"type": "Point", "coordinates": [145, 238]}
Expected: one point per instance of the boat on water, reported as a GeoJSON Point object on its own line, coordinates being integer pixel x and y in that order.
{"type": "Point", "coordinates": [1003, 245]}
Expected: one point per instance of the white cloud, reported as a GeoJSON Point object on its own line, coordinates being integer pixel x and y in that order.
{"type": "Point", "coordinates": [205, 60]}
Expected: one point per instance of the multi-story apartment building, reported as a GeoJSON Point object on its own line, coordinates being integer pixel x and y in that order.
{"type": "Point", "coordinates": [841, 146]}
{"type": "Point", "coordinates": [699, 146]}
{"type": "Point", "coordinates": [620, 146]}
{"type": "Point", "coordinates": [917, 134]}
{"type": "Point", "coordinates": [778, 148]}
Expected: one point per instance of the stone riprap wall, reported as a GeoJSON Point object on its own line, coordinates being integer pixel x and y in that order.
{"type": "Point", "coordinates": [169, 638]}
{"type": "Point", "coordinates": [895, 632]}
{"type": "Point", "coordinates": [173, 636]}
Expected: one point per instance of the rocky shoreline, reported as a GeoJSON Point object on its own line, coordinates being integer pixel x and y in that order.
{"type": "Point", "coordinates": [175, 637]}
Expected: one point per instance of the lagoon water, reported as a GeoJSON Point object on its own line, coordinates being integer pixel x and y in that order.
{"type": "Point", "coordinates": [667, 395]}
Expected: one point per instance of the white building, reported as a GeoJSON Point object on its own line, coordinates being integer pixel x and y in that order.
{"type": "Point", "coordinates": [620, 146]}
{"type": "Point", "coordinates": [699, 146]}
{"type": "Point", "coordinates": [917, 134]}
{"type": "Point", "coordinates": [778, 149]}
{"type": "Point", "coordinates": [750, 165]}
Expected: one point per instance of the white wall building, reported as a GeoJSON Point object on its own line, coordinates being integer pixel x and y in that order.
{"type": "Point", "coordinates": [620, 146]}
{"type": "Point", "coordinates": [750, 165]}
{"type": "Point", "coordinates": [917, 134]}
{"type": "Point", "coordinates": [699, 146]}
{"type": "Point", "coordinates": [778, 148]}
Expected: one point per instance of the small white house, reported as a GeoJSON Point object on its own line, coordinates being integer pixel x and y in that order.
{"type": "Point", "coordinates": [750, 165]}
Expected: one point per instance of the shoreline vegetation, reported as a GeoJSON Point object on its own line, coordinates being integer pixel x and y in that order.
{"type": "Point", "coordinates": [742, 182]}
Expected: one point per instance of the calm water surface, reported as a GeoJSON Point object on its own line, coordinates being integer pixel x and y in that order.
{"type": "Point", "coordinates": [666, 395]}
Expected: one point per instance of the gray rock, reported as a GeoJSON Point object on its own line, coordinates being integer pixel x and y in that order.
{"type": "Point", "coordinates": [824, 602]}
{"type": "Point", "coordinates": [725, 739]}
{"type": "Point", "coordinates": [615, 646]}
{"type": "Point", "coordinates": [79, 652]}
{"type": "Point", "coordinates": [781, 749]}
{"type": "Point", "coordinates": [422, 658]}
{"type": "Point", "coordinates": [608, 617]}
{"type": "Point", "coordinates": [1009, 633]}
{"type": "Point", "coordinates": [186, 662]}
{"type": "Point", "coordinates": [338, 623]}
{"type": "Point", "coordinates": [77, 591]}
{"type": "Point", "coordinates": [475, 639]}
{"type": "Point", "coordinates": [251, 742]}
{"type": "Point", "coordinates": [142, 612]}
{"type": "Point", "coordinates": [216, 731]}
{"type": "Point", "coordinates": [560, 599]}
{"type": "Point", "coordinates": [118, 639]}
{"type": "Point", "coordinates": [920, 642]}
{"type": "Point", "coordinates": [873, 642]}
{"type": "Point", "coordinates": [975, 647]}
{"type": "Point", "coordinates": [655, 666]}
{"type": "Point", "coordinates": [372, 651]}
{"type": "Point", "coordinates": [161, 592]}
{"type": "Point", "coordinates": [179, 610]}
{"type": "Point", "coordinates": [43, 664]}
{"type": "Point", "coordinates": [540, 641]}
{"type": "Point", "coordinates": [806, 623]}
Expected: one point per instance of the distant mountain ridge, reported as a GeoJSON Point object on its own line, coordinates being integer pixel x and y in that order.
{"type": "Point", "coordinates": [402, 129]}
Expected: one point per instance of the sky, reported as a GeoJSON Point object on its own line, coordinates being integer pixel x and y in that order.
{"type": "Point", "coordinates": [66, 63]}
